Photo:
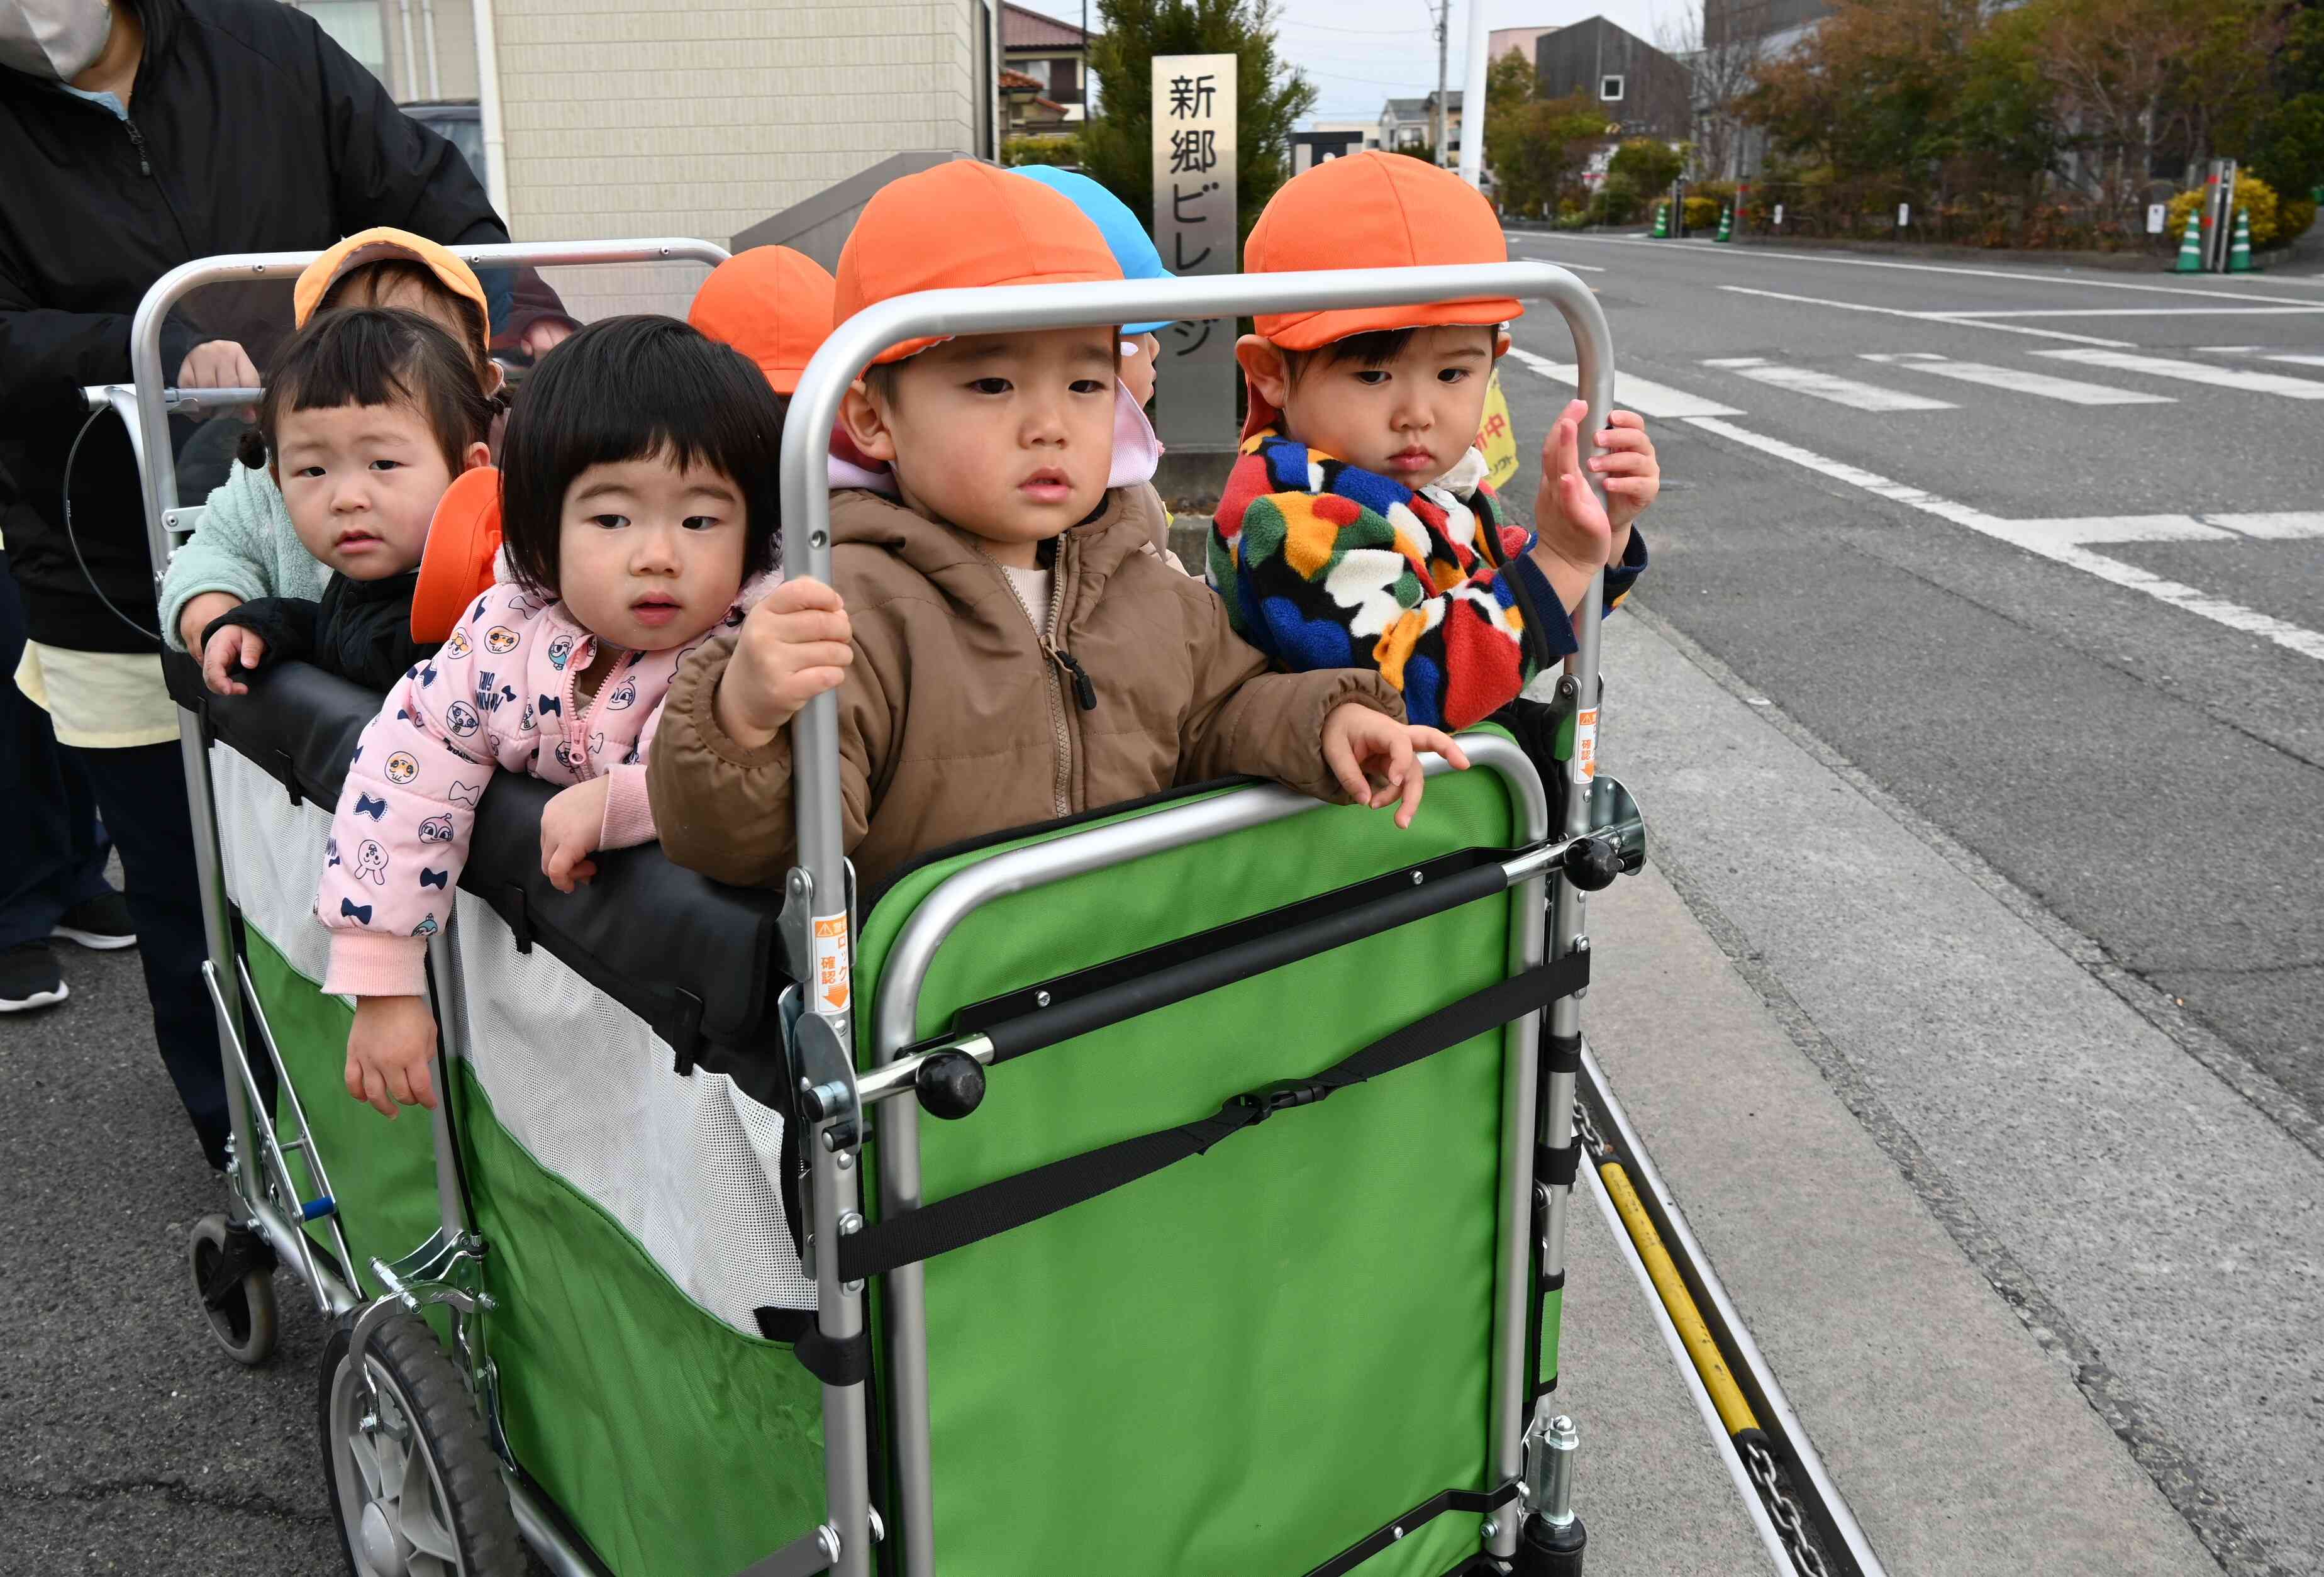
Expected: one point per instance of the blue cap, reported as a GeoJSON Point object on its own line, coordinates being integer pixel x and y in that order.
{"type": "Point", "coordinates": [1125, 237]}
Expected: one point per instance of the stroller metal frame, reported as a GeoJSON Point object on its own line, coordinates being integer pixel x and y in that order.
{"type": "Point", "coordinates": [818, 918]}
{"type": "Point", "coordinates": [441, 1271]}
{"type": "Point", "coordinates": [819, 898]}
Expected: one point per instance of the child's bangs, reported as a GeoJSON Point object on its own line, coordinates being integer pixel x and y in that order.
{"type": "Point", "coordinates": [374, 356]}
{"type": "Point", "coordinates": [632, 389]}
{"type": "Point", "coordinates": [359, 364]}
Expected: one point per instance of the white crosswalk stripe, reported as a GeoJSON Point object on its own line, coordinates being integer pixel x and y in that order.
{"type": "Point", "coordinates": [2277, 526]}
{"type": "Point", "coordinates": [1829, 386]}
{"type": "Point", "coordinates": [2296, 359]}
{"type": "Point", "coordinates": [2020, 381]}
{"type": "Point", "coordinates": [1631, 393]}
{"type": "Point", "coordinates": [2195, 373]}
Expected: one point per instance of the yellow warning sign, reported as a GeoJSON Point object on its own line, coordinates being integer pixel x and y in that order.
{"type": "Point", "coordinates": [1499, 437]}
{"type": "Point", "coordinates": [831, 982]}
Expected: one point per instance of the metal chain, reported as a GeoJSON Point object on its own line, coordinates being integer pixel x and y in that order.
{"type": "Point", "coordinates": [1588, 1130]}
{"type": "Point", "coordinates": [1791, 1524]}
{"type": "Point", "coordinates": [1784, 1511]}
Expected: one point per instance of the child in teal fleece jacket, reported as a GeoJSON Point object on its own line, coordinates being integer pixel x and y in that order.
{"type": "Point", "coordinates": [245, 547]}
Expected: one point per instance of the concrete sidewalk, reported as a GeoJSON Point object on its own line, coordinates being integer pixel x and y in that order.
{"type": "Point", "coordinates": [1880, 1094]}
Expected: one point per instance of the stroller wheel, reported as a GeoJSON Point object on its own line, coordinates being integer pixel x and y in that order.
{"type": "Point", "coordinates": [234, 1277]}
{"type": "Point", "coordinates": [411, 1476]}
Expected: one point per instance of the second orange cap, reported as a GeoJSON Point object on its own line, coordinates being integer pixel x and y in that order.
{"type": "Point", "coordinates": [964, 224]}
{"type": "Point", "coordinates": [772, 304]}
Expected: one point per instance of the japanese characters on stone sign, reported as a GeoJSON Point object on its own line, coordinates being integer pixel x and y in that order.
{"type": "Point", "coordinates": [1194, 230]}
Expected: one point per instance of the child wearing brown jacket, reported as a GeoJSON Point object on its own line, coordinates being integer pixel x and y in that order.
{"type": "Point", "coordinates": [1007, 646]}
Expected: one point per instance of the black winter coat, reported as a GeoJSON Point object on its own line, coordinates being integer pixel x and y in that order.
{"type": "Point", "coordinates": [249, 131]}
{"type": "Point", "coordinates": [360, 630]}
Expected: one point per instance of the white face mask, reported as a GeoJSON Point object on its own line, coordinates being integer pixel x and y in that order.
{"type": "Point", "coordinates": [58, 39]}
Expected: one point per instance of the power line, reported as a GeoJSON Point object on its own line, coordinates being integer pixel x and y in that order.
{"type": "Point", "coordinates": [1419, 92]}
{"type": "Point", "coordinates": [1364, 32]}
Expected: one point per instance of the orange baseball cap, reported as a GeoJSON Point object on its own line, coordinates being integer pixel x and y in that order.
{"type": "Point", "coordinates": [964, 224]}
{"type": "Point", "coordinates": [770, 303]}
{"type": "Point", "coordinates": [376, 245]}
{"type": "Point", "coordinates": [1375, 210]}
{"type": "Point", "coordinates": [462, 543]}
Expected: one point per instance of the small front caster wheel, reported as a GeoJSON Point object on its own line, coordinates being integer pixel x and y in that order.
{"type": "Point", "coordinates": [414, 1485]}
{"type": "Point", "coordinates": [1551, 1549]}
{"type": "Point", "coordinates": [234, 1278]}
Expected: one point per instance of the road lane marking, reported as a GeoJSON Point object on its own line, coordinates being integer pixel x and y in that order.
{"type": "Point", "coordinates": [1819, 385]}
{"type": "Point", "coordinates": [1931, 316]}
{"type": "Point", "coordinates": [2196, 373]}
{"type": "Point", "coordinates": [2084, 530]}
{"type": "Point", "coordinates": [2019, 381]}
{"type": "Point", "coordinates": [2034, 538]}
{"type": "Point", "coordinates": [1631, 393]}
{"type": "Point", "coordinates": [2277, 526]}
{"type": "Point", "coordinates": [2077, 281]}
{"type": "Point", "coordinates": [1576, 267]}
{"type": "Point", "coordinates": [2135, 312]}
{"type": "Point", "coordinates": [2296, 359]}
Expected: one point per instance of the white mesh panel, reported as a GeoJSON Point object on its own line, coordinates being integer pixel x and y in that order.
{"type": "Point", "coordinates": [686, 1166]}
{"type": "Point", "coordinates": [274, 855]}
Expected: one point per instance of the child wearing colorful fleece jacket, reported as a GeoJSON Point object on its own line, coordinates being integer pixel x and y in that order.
{"type": "Point", "coordinates": [1357, 529]}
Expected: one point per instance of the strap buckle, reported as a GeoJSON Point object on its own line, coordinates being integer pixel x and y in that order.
{"type": "Point", "coordinates": [1281, 1096]}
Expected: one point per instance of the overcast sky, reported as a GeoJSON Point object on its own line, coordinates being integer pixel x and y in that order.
{"type": "Point", "coordinates": [1359, 52]}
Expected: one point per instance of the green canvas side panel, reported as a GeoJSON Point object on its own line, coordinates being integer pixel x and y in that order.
{"type": "Point", "coordinates": [1553, 1313]}
{"type": "Point", "coordinates": [384, 1170]}
{"type": "Point", "coordinates": [1247, 1362]}
{"type": "Point", "coordinates": [677, 1444]}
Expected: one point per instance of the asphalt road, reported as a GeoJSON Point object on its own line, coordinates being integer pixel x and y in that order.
{"type": "Point", "coordinates": [128, 1441]}
{"type": "Point", "coordinates": [2068, 638]}
{"type": "Point", "coordinates": [2153, 777]}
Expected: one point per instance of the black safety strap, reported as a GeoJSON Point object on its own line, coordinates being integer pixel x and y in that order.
{"type": "Point", "coordinates": [844, 1361]}
{"type": "Point", "coordinates": [1364, 1549]}
{"type": "Point", "coordinates": [1011, 1202]}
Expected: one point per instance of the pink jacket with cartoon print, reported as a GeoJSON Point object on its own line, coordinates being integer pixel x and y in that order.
{"type": "Point", "coordinates": [499, 695]}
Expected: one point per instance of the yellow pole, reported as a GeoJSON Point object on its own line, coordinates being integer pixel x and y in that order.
{"type": "Point", "coordinates": [1734, 1412]}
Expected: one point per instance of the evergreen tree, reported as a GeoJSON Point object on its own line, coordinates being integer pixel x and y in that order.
{"type": "Point", "coordinates": [1117, 146]}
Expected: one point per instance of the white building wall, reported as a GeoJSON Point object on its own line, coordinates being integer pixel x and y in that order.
{"type": "Point", "coordinates": [630, 120]}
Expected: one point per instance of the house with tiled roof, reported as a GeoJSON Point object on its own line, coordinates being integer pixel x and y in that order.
{"type": "Point", "coordinates": [1054, 54]}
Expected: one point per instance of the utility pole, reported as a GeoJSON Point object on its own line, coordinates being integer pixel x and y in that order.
{"type": "Point", "coordinates": [1443, 116]}
{"type": "Point", "coordinates": [1472, 98]}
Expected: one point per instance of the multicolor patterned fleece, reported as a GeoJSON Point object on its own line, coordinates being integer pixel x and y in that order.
{"type": "Point", "coordinates": [1322, 565]}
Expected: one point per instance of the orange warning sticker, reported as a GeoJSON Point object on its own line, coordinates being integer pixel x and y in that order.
{"type": "Point", "coordinates": [832, 983]}
{"type": "Point", "coordinates": [1585, 745]}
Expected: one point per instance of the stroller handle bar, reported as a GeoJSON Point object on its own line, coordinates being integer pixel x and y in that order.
{"type": "Point", "coordinates": [814, 408]}
{"type": "Point", "coordinates": [151, 432]}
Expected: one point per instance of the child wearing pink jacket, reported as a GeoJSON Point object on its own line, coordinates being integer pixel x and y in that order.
{"type": "Point", "coordinates": [638, 517]}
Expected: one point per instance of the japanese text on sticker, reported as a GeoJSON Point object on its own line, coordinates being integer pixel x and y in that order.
{"type": "Point", "coordinates": [831, 983]}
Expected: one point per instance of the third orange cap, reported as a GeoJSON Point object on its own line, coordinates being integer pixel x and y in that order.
{"type": "Point", "coordinates": [1375, 210]}
{"type": "Point", "coordinates": [377, 245]}
{"type": "Point", "coordinates": [770, 303]}
{"type": "Point", "coordinates": [964, 224]}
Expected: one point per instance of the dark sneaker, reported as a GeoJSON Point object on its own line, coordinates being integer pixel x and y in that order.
{"type": "Point", "coordinates": [101, 922]}
{"type": "Point", "coordinates": [29, 978]}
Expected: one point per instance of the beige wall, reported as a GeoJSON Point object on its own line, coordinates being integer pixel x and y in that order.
{"type": "Point", "coordinates": [456, 48]}
{"type": "Point", "coordinates": [625, 119]}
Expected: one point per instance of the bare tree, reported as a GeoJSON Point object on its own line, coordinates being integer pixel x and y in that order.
{"type": "Point", "coordinates": [1721, 45]}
